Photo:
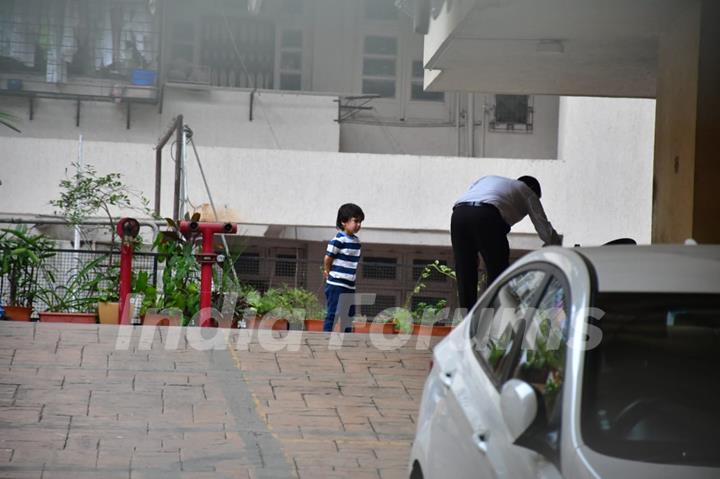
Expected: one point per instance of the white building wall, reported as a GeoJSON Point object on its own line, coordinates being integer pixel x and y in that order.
{"type": "Point", "coordinates": [598, 189]}
{"type": "Point", "coordinates": [218, 116]}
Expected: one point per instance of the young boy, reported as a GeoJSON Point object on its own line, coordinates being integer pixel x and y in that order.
{"type": "Point", "coordinates": [341, 260]}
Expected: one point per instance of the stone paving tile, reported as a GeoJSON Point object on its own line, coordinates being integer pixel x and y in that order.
{"type": "Point", "coordinates": [100, 401]}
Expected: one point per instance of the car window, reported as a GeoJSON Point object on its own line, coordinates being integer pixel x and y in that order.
{"type": "Point", "coordinates": [498, 326]}
{"type": "Point", "coordinates": [650, 387]}
{"type": "Point", "coordinates": [542, 354]}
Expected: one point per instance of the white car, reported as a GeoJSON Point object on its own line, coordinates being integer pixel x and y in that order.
{"type": "Point", "coordinates": [581, 363]}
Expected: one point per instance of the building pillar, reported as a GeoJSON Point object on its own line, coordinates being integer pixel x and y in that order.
{"type": "Point", "coordinates": [686, 182]}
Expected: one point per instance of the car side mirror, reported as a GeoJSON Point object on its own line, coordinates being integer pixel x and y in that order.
{"type": "Point", "coordinates": [519, 406]}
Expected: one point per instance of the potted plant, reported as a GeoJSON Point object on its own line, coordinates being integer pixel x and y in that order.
{"type": "Point", "coordinates": [302, 307]}
{"type": "Point", "coordinates": [426, 316]}
{"type": "Point", "coordinates": [87, 194]}
{"type": "Point", "coordinates": [181, 276]}
{"type": "Point", "coordinates": [75, 298]}
{"type": "Point", "coordinates": [382, 323]}
{"type": "Point", "coordinates": [405, 320]}
{"type": "Point", "coordinates": [315, 321]}
{"type": "Point", "coordinates": [108, 307]}
{"type": "Point", "coordinates": [22, 258]}
{"type": "Point", "coordinates": [266, 311]}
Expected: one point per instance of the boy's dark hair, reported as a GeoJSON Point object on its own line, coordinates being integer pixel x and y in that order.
{"type": "Point", "coordinates": [532, 183]}
{"type": "Point", "coordinates": [347, 211]}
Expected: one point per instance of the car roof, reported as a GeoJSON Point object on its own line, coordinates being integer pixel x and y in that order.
{"type": "Point", "coordinates": [656, 268]}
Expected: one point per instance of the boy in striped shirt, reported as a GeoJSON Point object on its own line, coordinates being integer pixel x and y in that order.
{"type": "Point", "coordinates": [341, 260]}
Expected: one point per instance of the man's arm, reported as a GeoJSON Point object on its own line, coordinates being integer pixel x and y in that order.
{"type": "Point", "coordinates": [543, 227]}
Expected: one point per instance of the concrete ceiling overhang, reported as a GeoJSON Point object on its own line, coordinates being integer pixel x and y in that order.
{"type": "Point", "coordinates": [555, 47]}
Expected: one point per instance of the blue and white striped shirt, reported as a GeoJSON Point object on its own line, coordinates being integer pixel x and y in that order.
{"type": "Point", "coordinates": [345, 252]}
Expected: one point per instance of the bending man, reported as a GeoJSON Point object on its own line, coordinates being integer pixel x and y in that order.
{"type": "Point", "coordinates": [481, 220]}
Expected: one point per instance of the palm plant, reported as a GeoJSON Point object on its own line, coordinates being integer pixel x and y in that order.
{"type": "Point", "coordinates": [22, 255]}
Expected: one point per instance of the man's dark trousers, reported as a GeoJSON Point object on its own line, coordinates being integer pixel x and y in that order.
{"type": "Point", "coordinates": [473, 230]}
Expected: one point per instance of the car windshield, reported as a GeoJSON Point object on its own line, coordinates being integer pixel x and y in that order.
{"type": "Point", "coordinates": [651, 388]}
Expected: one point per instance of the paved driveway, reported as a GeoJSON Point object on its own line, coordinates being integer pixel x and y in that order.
{"type": "Point", "coordinates": [82, 401]}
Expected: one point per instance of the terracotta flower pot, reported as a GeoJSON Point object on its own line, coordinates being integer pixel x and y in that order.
{"type": "Point", "coordinates": [158, 319]}
{"type": "Point", "coordinates": [17, 313]}
{"type": "Point", "coordinates": [314, 324]}
{"type": "Point", "coordinates": [430, 330]}
{"type": "Point", "coordinates": [56, 317]}
{"type": "Point", "coordinates": [371, 327]}
{"type": "Point", "coordinates": [108, 312]}
{"type": "Point", "coordinates": [268, 323]}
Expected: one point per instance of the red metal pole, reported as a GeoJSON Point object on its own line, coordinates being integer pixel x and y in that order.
{"type": "Point", "coordinates": [127, 229]}
{"type": "Point", "coordinates": [126, 251]}
{"type": "Point", "coordinates": [207, 259]}
{"type": "Point", "coordinates": [206, 278]}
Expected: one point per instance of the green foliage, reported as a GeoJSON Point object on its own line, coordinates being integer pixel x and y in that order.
{"type": "Point", "coordinates": [22, 258]}
{"type": "Point", "coordinates": [87, 193]}
{"type": "Point", "coordinates": [181, 275]}
{"type": "Point", "coordinates": [142, 285]}
{"type": "Point", "coordinates": [423, 313]}
{"type": "Point", "coordinates": [428, 313]}
{"type": "Point", "coordinates": [293, 304]}
{"type": "Point", "coordinates": [80, 292]}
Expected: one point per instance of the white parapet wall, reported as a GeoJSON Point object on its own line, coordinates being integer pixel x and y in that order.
{"type": "Point", "coordinates": [598, 189]}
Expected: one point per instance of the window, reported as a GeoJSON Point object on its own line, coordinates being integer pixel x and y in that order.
{"type": "Point", "coordinates": [291, 56]}
{"type": "Point", "coordinates": [286, 265]}
{"type": "Point", "coordinates": [380, 10]}
{"type": "Point", "coordinates": [379, 268]}
{"type": "Point", "coordinates": [650, 386]}
{"type": "Point", "coordinates": [248, 263]}
{"type": "Point", "coordinates": [183, 42]}
{"type": "Point", "coordinates": [379, 65]}
{"type": "Point", "coordinates": [542, 355]}
{"type": "Point", "coordinates": [417, 92]}
{"type": "Point", "coordinates": [228, 40]}
{"type": "Point", "coordinates": [382, 302]}
{"type": "Point", "coordinates": [512, 113]}
{"type": "Point", "coordinates": [499, 328]}
{"type": "Point", "coordinates": [101, 40]}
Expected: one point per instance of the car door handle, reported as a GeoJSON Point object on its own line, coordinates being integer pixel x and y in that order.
{"type": "Point", "coordinates": [480, 440]}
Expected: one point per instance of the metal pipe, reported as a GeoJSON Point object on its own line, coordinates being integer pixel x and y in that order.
{"type": "Point", "coordinates": [457, 123]}
{"type": "Point", "coordinates": [470, 123]}
{"type": "Point", "coordinates": [158, 177]}
{"type": "Point", "coordinates": [178, 161]}
{"type": "Point", "coordinates": [58, 221]}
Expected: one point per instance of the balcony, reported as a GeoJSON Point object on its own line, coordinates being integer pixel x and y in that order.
{"type": "Point", "coordinates": [80, 49]}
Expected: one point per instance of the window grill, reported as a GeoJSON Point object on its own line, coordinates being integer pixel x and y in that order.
{"type": "Point", "coordinates": [286, 265]}
{"type": "Point", "coordinates": [382, 302]}
{"type": "Point", "coordinates": [66, 41]}
{"type": "Point", "coordinates": [248, 263]}
{"type": "Point", "coordinates": [379, 268]}
{"type": "Point", "coordinates": [230, 43]}
{"type": "Point", "coordinates": [428, 300]}
{"type": "Point", "coordinates": [512, 113]}
{"type": "Point", "coordinates": [435, 276]}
